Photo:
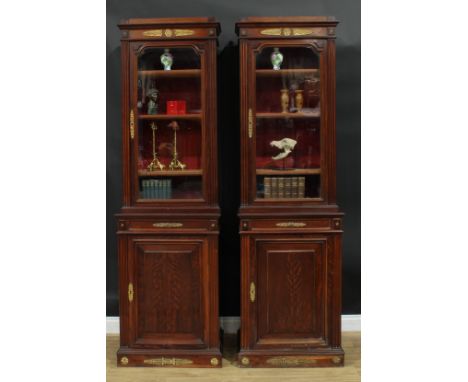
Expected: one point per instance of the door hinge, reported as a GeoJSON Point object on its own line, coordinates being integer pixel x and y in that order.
{"type": "Point", "coordinates": [250, 123]}
{"type": "Point", "coordinates": [252, 292]}
{"type": "Point", "coordinates": [130, 292]}
{"type": "Point", "coordinates": [132, 124]}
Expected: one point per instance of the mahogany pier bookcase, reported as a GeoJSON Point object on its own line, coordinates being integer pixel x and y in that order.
{"type": "Point", "coordinates": [290, 224]}
{"type": "Point", "coordinates": [168, 224]}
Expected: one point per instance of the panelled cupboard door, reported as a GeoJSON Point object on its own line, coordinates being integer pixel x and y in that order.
{"type": "Point", "coordinates": [169, 292]}
{"type": "Point", "coordinates": [292, 303]}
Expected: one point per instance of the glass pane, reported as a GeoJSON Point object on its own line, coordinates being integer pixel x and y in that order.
{"type": "Point", "coordinates": [287, 123]}
{"type": "Point", "coordinates": [169, 124]}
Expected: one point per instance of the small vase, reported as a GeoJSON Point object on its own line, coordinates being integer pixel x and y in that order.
{"type": "Point", "coordinates": [276, 59]}
{"type": "Point", "coordinates": [284, 100]}
{"type": "Point", "coordinates": [167, 59]}
{"type": "Point", "coordinates": [299, 99]}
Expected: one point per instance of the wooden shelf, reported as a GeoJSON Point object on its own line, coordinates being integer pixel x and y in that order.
{"type": "Point", "coordinates": [315, 114]}
{"type": "Point", "coordinates": [294, 171]}
{"type": "Point", "coordinates": [284, 72]}
{"type": "Point", "coordinates": [196, 172]}
{"type": "Point", "coordinates": [181, 73]}
{"type": "Point", "coordinates": [169, 116]}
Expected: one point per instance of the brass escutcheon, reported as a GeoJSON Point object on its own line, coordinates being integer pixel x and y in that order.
{"type": "Point", "coordinates": [132, 124]}
{"type": "Point", "coordinates": [252, 292]}
{"type": "Point", "coordinates": [250, 123]}
{"type": "Point", "coordinates": [130, 292]}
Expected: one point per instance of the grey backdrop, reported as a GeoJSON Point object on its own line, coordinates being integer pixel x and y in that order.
{"type": "Point", "coordinates": [227, 12]}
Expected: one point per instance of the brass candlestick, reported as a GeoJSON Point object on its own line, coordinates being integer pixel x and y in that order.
{"type": "Point", "coordinates": [175, 164]}
{"type": "Point", "coordinates": [155, 163]}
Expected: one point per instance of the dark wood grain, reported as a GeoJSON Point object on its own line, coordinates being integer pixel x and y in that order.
{"type": "Point", "coordinates": [290, 249]}
{"type": "Point", "coordinates": [168, 249]}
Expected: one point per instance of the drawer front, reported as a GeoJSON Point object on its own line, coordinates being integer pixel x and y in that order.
{"type": "Point", "coordinates": [319, 224]}
{"type": "Point", "coordinates": [165, 225]}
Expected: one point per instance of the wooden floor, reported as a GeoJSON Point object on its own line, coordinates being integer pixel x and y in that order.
{"type": "Point", "coordinates": [351, 372]}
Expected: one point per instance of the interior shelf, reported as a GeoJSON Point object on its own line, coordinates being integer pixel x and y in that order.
{"type": "Point", "coordinates": [169, 116]}
{"type": "Point", "coordinates": [293, 171]}
{"type": "Point", "coordinates": [195, 172]}
{"type": "Point", "coordinates": [170, 73]}
{"type": "Point", "coordinates": [284, 72]}
{"type": "Point", "coordinates": [314, 114]}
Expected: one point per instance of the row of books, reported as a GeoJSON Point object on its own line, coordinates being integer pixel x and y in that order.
{"type": "Point", "coordinates": [284, 187]}
{"type": "Point", "coordinates": [156, 189]}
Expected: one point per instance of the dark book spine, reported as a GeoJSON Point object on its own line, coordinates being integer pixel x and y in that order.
{"type": "Point", "coordinates": [301, 187]}
{"type": "Point", "coordinates": [158, 188]}
{"type": "Point", "coordinates": [153, 189]}
{"type": "Point", "coordinates": [164, 189]}
{"type": "Point", "coordinates": [274, 187]}
{"type": "Point", "coordinates": [143, 189]}
{"type": "Point", "coordinates": [267, 187]}
{"type": "Point", "coordinates": [287, 187]}
{"type": "Point", "coordinates": [280, 187]}
{"type": "Point", "coordinates": [169, 195]}
{"type": "Point", "coordinates": [294, 187]}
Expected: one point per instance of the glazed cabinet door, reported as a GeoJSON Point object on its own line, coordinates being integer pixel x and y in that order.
{"type": "Point", "coordinates": [167, 292]}
{"type": "Point", "coordinates": [290, 303]}
{"type": "Point", "coordinates": [286, 119]}
{"type": "Point", "coordinates": [171, 122]}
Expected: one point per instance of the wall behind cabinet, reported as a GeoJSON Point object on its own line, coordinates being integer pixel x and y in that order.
{"type": "Point", "coordinates": [227, 12]}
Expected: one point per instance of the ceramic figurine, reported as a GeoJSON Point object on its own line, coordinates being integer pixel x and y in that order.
{"type": "Point", "coordinates": [276, 59]}
{"type": "Point", "coordinates": [152, 103]}
{"type": "Point", "coordinates": [284, 100]}
{"type": "Point", "coordinates": [299, 99]}
{"type": "Point", "coordinates": [285, 144]}
{"type": "Point", "coordinates": [167, 59]}
{"type": "Point", "coordinates": [311, 92]}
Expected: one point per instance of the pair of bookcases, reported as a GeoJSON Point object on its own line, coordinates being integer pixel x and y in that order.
{"type": "Point", "coordinates": [168, 225]}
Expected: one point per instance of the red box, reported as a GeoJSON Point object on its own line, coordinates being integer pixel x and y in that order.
{"type": "Point", "coordinates": [171, 107]}
{"type": "Point", "coordinates": [181, 107]}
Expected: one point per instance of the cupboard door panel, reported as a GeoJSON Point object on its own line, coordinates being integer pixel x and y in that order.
{"type": "Point", "coordinates": [168, 292]}
{"type": "Point", "coordinates": [291, 306]}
